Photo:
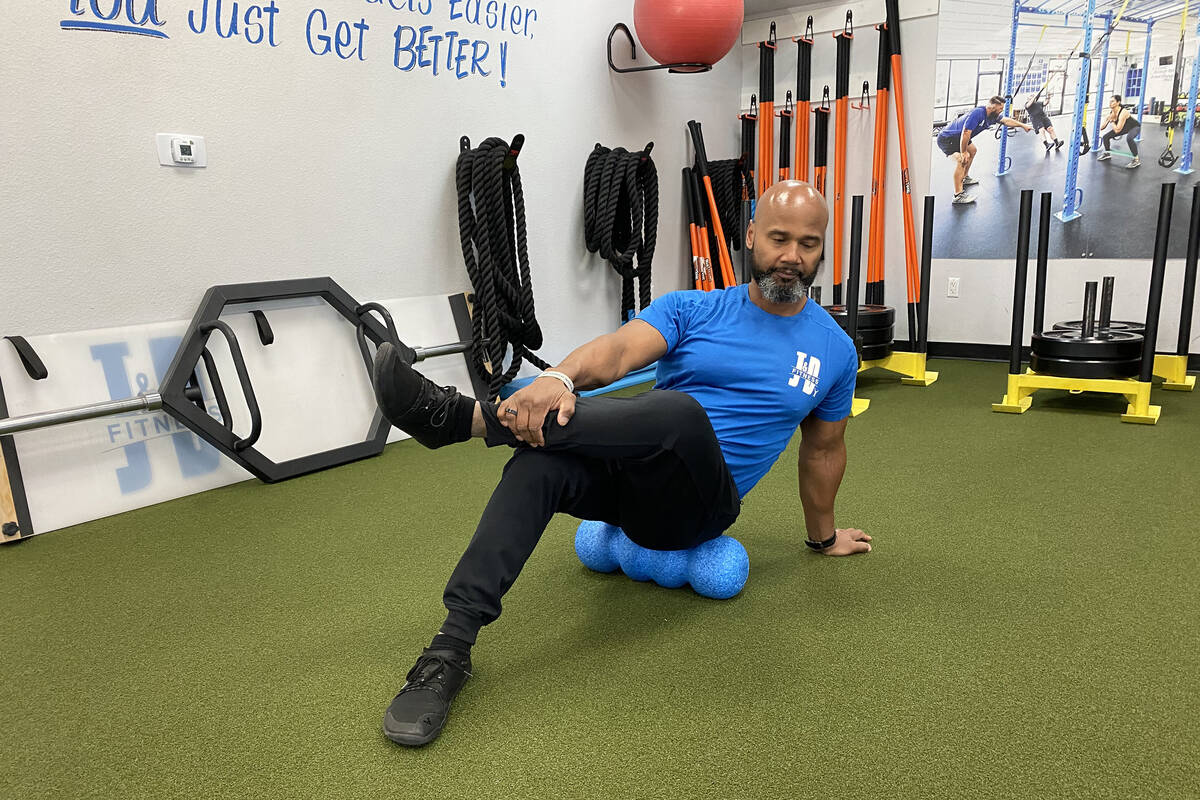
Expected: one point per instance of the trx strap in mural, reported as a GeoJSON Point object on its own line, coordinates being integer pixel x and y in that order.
{"type": "Point", "coordinates": [1002, 130]}
{"type": "Point", "coordinates": [1168, 157]}
{"type": "Point", "coordinates": [1085, 74]}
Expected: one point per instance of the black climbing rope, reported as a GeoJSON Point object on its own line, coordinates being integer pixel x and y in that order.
{"type": "Point", "coordinates": [731, 181]}
{"type": "Point", "coordinates": [491, 224]}
{"type": "Point", "coordinates": [620, 218]}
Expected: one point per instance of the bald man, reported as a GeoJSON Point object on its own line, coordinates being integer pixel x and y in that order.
{"type": "Point", "coordinates": [738, 371]}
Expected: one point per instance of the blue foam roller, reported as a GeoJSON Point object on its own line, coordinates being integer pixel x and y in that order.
{"type": "Point", "coordinates": [634, 559]}
{"type": "Point", "coordinates": [594, 545]}
{"type": "Point", "coordinates": [668, 568]}
{"type": "Point", "coordinates": [718, 568]}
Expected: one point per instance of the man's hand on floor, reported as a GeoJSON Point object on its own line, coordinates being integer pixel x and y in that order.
{"type": "Point", "coordinates": [850, 541]}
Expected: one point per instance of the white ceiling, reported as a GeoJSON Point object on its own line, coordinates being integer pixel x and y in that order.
{"type": "Point", "coordinates": [760, 8]}
{"type": "Point", "coordinates": [983, 27]}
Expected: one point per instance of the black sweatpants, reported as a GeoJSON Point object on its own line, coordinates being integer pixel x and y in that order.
{"type": "Point", "coordinates": [1129, 135]}
{"type": "Point", "coordinates": [650, 464]}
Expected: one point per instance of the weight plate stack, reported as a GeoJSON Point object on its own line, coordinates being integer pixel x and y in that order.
{"type": "Point", "coordinates": [876, 328]}
{"type": "Point", "coordinates": [1067, 354]}
{"type": "Point", "coordinates": [1077, 368]}
{"type": "Point", "coordinates": [868, 316]}
{"type": "Point", "coordinates": [1114, 325]}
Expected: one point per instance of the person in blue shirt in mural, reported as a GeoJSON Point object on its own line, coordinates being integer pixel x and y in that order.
{"type": "Point", "coordinates": [738, 371]}
{"type": "Point", "coordinates": [955, 141]}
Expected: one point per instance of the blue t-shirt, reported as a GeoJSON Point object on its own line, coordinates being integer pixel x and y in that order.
{"type": "Point", "coordinates": [975, 120]}
{"type": "Point", "coordinates": [758, 375]}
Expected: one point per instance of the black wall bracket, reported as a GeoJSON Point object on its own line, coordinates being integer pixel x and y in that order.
{"type": "Point", "coordinates": [688, 67]}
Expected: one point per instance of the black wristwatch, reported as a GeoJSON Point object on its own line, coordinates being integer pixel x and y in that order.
{"type": "Point", "coordinates": [825, 545]}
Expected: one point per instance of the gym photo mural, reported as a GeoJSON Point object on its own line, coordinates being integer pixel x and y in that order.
{"type": "Point", "coordinates": [1099, 115]}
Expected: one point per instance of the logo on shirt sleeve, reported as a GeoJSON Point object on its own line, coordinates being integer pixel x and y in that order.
{"type": "Point", "coordinates": [807, 369]}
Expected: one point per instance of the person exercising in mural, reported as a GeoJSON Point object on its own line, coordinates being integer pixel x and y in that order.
{"type": "Point", "coordinates": [1040, 121]}
{"type": "Point", "coordinates": [1124, 124]}
{"type": "Point", "coordinates": [738, 371]}
{"type": "Point", "coordinates": [955, 141]}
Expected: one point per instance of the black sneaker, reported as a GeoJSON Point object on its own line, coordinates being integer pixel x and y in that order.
{"type": "Point", "coordinates": [418, 713]}
{"type": "Point", "coordinates": [1057, 143]}
{"type": "Point", "coordinates": [413, 403]}
{"type": "Point", "coordinates": [1049, 146]}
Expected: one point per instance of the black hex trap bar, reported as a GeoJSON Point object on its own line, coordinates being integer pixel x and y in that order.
{"type": "Point", "coordinates": [180, 393]}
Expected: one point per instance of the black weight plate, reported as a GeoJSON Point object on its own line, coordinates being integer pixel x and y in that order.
{"type": "Point", "coordinates": [1113, 325]}
{"type": "Point", "coordinates": [876, 352]}
{"type": "Point", "coordinates": [874, 336]}
{"type": "Point", "coordinates": [1104, 346]}
{"type": "Point", "coordinates": [868, 316]}
{"type": "Point", "coordinates": [1076, 368]}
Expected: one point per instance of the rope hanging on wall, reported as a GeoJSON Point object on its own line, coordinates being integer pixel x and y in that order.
{"type": "Point", "coordinates": [620, 218]}
{"type": "Point", "coordinates": [730, 177]}
{"type": "Point", "coordinates": [491, 224]}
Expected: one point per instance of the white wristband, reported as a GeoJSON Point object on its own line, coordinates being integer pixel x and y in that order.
{"type": "Point", "coordinates": [550, 373]}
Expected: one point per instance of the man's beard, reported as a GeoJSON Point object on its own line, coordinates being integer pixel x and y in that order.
{"type": "Point", "coordinates": [774, 293]}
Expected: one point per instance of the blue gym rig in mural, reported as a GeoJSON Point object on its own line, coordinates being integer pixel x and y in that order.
{"type": "Point", "coordinates": [115, 16]}
{"type": "Point", "coordinates": [1102, 17]}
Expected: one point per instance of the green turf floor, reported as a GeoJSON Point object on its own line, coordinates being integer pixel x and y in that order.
{"type": "Point", "coordinates": [1027, 626]}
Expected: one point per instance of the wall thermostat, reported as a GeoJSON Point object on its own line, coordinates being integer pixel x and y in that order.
{"type": "Point", "coordinates": [183, 151]}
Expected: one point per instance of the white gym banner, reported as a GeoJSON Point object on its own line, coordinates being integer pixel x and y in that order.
{"type": "Point", "coordinates": [311, 385]}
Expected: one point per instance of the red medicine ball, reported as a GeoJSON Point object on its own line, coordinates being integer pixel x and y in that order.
{"type": "Point", "coordinates": [688, 31]}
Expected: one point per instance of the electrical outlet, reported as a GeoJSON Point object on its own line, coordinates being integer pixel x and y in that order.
{"type": "Point", "coordinates": [952, 287]}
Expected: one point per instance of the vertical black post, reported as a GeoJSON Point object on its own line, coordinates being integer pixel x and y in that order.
{"type": "Point", "coordinates": [1158, 272]}
{"type": "Point", "coordinates": [1043, 254]}
{"type": "Point", "coordinates": [748, 188]}
{"type": "Point", "coordinates": [1189, 277]}
{"type": "Point", "coordinates": [856, 215]}
{"type": "Point", "coordinates": [883, 84]}
{"type": "Point", "coordinates": [1022, 275]}
{"type": "Point", "coordinates": [912, 327]}
{"type": "Point", "coordinates": [1106, 298]}
{"type": "Point", "coordinates": [926, 264]}
{"type": "Point", "coordinates": [1089, 310]}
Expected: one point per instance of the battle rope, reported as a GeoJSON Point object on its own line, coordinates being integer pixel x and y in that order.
{"type": "Point", "coordinates": [731, 180]}
{"type": "Point", "coordinates": [491, 224]}
{"type": "Point", "coordinates": [620, 217]}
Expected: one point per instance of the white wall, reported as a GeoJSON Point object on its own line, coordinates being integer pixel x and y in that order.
{"type": "Point", "coordinates": [982, 313]}
{"type": "Point", "coordinates": [317, 165]}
